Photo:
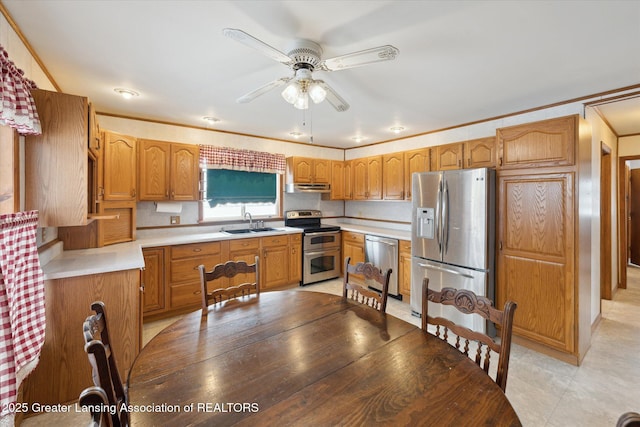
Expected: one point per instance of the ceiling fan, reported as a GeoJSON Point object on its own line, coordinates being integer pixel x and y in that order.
{"type": "Point", "coordinates": [304, 58]}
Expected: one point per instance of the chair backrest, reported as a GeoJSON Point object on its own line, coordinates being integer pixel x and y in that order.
{"type": "Point", "coordinates": [468, 302]}
{"type": "Point", "coordinates": [629, 419]}
{"type": "Point", "coordinates": [94, 398]}
{"type": "Point", "coordinates": [229, 269]}
{"type": "Point", "coordinates": [361, 293]}
{"type": "Point", "coordinates": [103, 363]}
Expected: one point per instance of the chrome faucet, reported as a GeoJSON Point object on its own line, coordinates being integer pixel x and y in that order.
{"type": "Point", "coordinates": [250, 219]}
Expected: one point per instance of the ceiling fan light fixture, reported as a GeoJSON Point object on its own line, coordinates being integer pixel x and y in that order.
{"type": "Point", "coordinates": [291, 93]}
{"type": "Point", "coordinates": [317, 93]}
{"type": "Point", "coordinates": [302, 103]}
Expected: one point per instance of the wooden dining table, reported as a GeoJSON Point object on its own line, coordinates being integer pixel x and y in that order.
{"type": "Point", "coordinates": [304, 358]}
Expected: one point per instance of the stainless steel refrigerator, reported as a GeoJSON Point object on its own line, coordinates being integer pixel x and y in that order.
{"type": "Point", "coordinates": [453, 238]}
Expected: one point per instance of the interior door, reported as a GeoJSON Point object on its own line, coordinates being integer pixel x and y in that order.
{"type": "Point", "coordinates": [634, 215]}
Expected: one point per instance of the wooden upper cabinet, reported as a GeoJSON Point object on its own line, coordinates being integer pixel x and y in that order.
{"type": "Point", "coordinates": [480, 153]}
{"type": "Point", "coordinates": [153, 167]}
{"type": "Point", "coordinates": [168, 171]}
{"type": "Point", "coordinates": [448, 156]}
{"type": "Point", "coordinates": [184, 182]}
{"type": "Point", "coordinates": [359, 167]}
{"type": "Point", "coordinates": [120, 166]}
{"type": "Point", "coordinates": [305, 170]}
{"type": "Point", "coordinates": [56, 167]}
{"type": "Point", "coordinates": [393, 176]}
{"type": "Point", "coordinates": [414, 161]}
{"type": "Point", "coordinates": [545, 143]}
{"type": "Point", "coordinates": [337, 180]}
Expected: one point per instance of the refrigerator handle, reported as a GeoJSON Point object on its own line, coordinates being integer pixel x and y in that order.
{"type": "Point", "coordinates": [445, 270]}
{"type": "Point", "coordinates": [438, 219]}
{"type": "Point", "coordinates": [445, 219]}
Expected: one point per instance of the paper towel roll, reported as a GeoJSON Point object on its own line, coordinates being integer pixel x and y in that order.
{"type": "Point", "coordinates": [169, 207]}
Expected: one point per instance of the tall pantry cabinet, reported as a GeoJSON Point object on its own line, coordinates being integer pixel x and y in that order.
{"type": "Point", "coordinates": [544, 234]}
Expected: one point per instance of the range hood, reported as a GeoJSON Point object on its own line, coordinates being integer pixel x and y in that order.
{"type": "Point", "coordinates": [308, 188]}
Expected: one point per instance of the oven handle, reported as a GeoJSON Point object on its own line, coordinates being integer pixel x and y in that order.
{"type": "Point", "coordinates": [328, 251]}
{"type": "Point", "coordinates": [319, 233]}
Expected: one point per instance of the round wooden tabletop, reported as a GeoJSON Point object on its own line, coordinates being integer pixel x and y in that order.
{"type": "Point", "coordinates": [307, 358]}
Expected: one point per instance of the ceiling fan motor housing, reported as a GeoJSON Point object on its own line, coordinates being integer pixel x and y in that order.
{"type": "Point", "coordinates": [305, 54]}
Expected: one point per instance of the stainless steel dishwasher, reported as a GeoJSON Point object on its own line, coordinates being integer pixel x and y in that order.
{"type": "Point", "coordinates": [383, 253]}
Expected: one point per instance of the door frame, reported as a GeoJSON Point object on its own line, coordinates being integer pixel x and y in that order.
{"type": "Point", "coordinates": [605, 221]}
{"type": "Point", "coordinates": [623, 226]}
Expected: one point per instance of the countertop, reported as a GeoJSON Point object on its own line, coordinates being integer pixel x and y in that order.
{"type": "Point", "coordinates": [127, 256]}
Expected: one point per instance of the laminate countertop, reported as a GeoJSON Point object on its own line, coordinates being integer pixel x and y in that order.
{"type": "Point", "coordinates": [127, 256]}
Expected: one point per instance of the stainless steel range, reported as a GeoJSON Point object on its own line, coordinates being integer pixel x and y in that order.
{"type": "Point", "coordinates": [321, 246]}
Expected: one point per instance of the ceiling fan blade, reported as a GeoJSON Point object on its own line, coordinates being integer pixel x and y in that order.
{"type": "Point", "coordinates": [333, 98]}
{"type": "Point", "coordinates": [363, 57]}
{"type": "Point", "coordinates": [262, 90]}
{"type": "Point", "coordinates": [256, 44]}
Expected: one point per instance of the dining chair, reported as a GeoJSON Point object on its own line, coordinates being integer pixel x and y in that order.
{"type": "Point", "coordinates": [229, 269]}
{"type": "Point", "coordinates": [92, 399]}
{"type": "Point", "coordinates": [629, 419]}
{"type": "Point", "coordinates": [467, 302]}
{"type": "Point", "coordinates": [362, 294]}
{"type": "Point", "coordinates": [104, 369]}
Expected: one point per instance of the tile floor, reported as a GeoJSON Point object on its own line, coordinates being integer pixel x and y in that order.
{"type": "Point", "coordinates": [543, 390]}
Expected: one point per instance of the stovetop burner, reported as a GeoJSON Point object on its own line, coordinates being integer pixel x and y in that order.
{"type": "Point", "coordinates": [309, 221]}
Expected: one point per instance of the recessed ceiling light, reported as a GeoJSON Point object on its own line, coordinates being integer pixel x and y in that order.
{"type": "Point", "coordinates": [126, 93]}
{"type": "Point", "coordinates": [211, 119]}
{"type": "Point", "coordinates": [358, 138]}
{"type": "Point", "coordinates": [396, 129]}
{"type": "Point", "coordinates": [295, 134]}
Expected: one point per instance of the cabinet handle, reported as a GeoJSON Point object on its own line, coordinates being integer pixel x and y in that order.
{"type": "Point", "coordinates": [460, 163]}
{"type": "Point", "coordinates": [197, 292]}
{"type": "Point", "coordinates": [133, 193]}
{"type": "Point", "coordinates": [173, 194]}
{"type": "Point", "coordinates": [197, 250]}
{"type": "Point", "coordinates": [500, 162]}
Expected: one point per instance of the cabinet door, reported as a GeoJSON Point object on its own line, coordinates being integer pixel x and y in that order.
{"type": "Point", "coordinates": [120, 178]}
{"type": "Point", "coordinates": [536, 256]}
{"type": "Point", "coordinates": [480, 153]}
{"type": "Point", "coordinates": [244, 250]}
{"type": "Point", "coordinates": [295, 259]}
{"type": "Point", "coordinates": [184, 172]}
{"type": "Point", "coordinates": [544, 143]}
{"type": "Point", "coordinates": [393, 176]}
{"type": "Point", "coordinates": [374, 178]}
{"type": "Point", "coordinates": [360, 179]}
{"type": "Point", "coordinates": [56, 174]}
{"type": "Point", "coordinates": [404, 265]}
{"type": "Point", "coordinates": [94, 131]}
{"type": "Point", "coordinates": [337, 180]}
{"type": "Point", "coordinates": [154, 169]}
{"type": "Point", "coordinates": [153, 280]}
{"type": "Point", "coordinates": [353, 247]}
{"type": "Point", "coordinates": [348, 180]}
{"type": "Point", "coordinates": [321, 171]}
{"type": "Point", "coordinates": [302, 170]}
{"type": "Point", "coordinates": [121, 227]}
{"type": "Point", "coordinates": [275, 266]}
{"type": "Point", "coordinates": [449, 156]}
{"type": "Point", "coordinates": [414, 161]}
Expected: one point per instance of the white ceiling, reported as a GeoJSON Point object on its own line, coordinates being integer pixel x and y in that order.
{"type": "Point", "coordinates": [459, 61]}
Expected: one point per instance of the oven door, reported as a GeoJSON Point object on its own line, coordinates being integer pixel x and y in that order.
{"type": "Point", "coordinates": [321, 240]}
{"type": "Point", "coordinates": [320, 265]}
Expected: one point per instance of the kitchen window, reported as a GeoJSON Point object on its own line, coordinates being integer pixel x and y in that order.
{"type": "Point", "coordinates": [229, 194]}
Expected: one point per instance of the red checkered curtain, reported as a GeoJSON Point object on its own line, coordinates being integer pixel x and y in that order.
{"type": "Point", "coordinates": [18, 107]}
{"type": "Point", "coordinates": [22, 315]}
{"type": "Point", "coordinates": [242, 160]}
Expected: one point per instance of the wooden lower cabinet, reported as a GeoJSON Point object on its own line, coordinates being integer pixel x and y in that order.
{"type": "Point", "coordinates": [404, 267]}
{"type": "Point", "coordinates": [184, 276]}
{"type": "Point", "coordinates": [172, 281]}
{"type": "Point", "coordinates": [353, 246]}
{"type": "Point", "coordinates": [152, 282]}
{"type": "Point", "coordinates": [275, 261]}
{"type": "Point", "coordinates": [64, 369]}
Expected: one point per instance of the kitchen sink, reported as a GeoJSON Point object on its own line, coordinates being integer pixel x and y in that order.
{"type": "Point", "coordinates": [249, 230]}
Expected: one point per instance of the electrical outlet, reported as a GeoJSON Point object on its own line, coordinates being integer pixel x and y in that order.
{"type": "Point", "coordinates": [175, 219]}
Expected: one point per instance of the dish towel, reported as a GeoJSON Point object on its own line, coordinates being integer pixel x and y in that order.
{"type": "Point", "coordinates": [22, 314]}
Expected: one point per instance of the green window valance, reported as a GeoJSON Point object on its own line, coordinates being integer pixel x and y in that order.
{"type": "Point", "coordinates": [233, 186]}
